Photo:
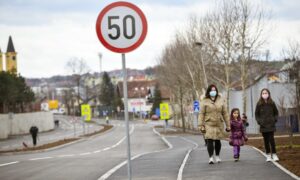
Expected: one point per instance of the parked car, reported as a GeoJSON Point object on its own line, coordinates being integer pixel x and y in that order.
{"type": "Point", "coordinates": [154, 117]}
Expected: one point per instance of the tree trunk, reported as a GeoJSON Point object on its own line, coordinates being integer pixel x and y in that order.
{"type": "Point", "coordinates": [181, 108]}
{"type": "Point", "coordinates": [243, 80]}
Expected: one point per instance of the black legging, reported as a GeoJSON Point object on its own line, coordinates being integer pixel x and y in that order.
{"type": "Point", "coordinates": [211, 146]}
{"type": "Point", "coordinates": [269, 140]}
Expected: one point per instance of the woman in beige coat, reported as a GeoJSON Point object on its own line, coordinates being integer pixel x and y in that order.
{"type": "Point", "coordinates": [213, 114]}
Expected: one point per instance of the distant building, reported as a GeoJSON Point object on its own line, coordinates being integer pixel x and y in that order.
{"type": "Point", "coordinates": [139, 93]}
{"type": "Point", "coordinates": [283, 93]}
{"type": "Point", "coordinates": [10, 58]}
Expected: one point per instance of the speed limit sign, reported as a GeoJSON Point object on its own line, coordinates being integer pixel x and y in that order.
{"type": "Point", "coordinates": [121, 27]}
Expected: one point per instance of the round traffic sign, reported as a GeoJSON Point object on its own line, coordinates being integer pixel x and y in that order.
{"type": "Point", "coordinates": [121, 27]}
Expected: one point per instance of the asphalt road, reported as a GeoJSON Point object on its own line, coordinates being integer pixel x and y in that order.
{"type": "Point", "coordinates": [153, 157]}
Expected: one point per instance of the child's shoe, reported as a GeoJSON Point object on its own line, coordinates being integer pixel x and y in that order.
{"type": "Point", "coordinates": [269, 158]}
{"type": "Point", "coordinates": [236, 158]}
{"type": "Point", "coordinates": [211, 160]}
{"type": "Point", "coordinates": [275, 157]}
{"type": "Point", "coordinates": [218, 159]}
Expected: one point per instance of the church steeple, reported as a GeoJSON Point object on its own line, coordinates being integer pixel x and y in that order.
{"type": "Point", "coordinates": [11, 57]}
{"type": "Point", "coordinates": [10, 46]}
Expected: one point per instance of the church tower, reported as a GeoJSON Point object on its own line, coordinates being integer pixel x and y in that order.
{"type": "Point", "coordinates": [1, 61]}
{"type": "Point", "coordinates": [11, 57]}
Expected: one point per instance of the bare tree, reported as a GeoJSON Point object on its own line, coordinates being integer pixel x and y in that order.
{"type": "Point", "coordinates": [292, 53]}
{"type": "Point", "coordinates": [174, 73]}
{"type": "Point", "coordinates": [77, 67]}
{"type": "Point", "coordinates": [251, 29]}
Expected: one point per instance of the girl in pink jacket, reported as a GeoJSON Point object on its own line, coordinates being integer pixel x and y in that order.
{"type": "Point", "coordinates": [238, 134]}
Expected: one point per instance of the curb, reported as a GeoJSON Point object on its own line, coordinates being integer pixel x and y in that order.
{"type": "Point", "coordinates": [278, 165]}
{"type": "Point", "coordinates": [56, 147]}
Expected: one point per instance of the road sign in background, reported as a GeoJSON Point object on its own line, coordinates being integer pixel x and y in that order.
{"type": "Point", "coordinates": [196, 106]}
{"type": "Point", "coordinates": [86, 111]}
{"type": "Point", "coordinates": [121, 27]}
{"type": "Point", "coordinates": [164, 111]}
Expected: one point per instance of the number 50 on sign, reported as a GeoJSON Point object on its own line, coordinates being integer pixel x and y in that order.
{"type": "Point", "coordinates": [121, 27]}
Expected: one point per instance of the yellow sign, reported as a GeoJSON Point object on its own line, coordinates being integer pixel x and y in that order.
{"type": "Point", "coordinates": [164, 111]}
{"type": "Point", "coordinates": [53, 104]}
{"type": "Point", "coordinates": [86, 111]}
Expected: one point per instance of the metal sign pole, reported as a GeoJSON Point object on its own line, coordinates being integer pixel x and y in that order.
{"type": "Point", "coordinates": [126, 115]}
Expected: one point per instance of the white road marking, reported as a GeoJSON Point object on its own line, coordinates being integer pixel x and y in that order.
{"type": "Point", "coordinates": [87, 153]}
{"type": "Point", "coordinates": [114, 169]}
{"type": "Point", "coordinates": [34, 159]}
{"type": "Point", "coordinates": [279, 166]}
{"type": "Point", "coordinates": [66, 155]}
{"type": "Point", "coordinates": [6, 164]}
{"type": "Point", "coordinates": [179, 176]}
{"type": "Point", "coordinates": [97, 151]}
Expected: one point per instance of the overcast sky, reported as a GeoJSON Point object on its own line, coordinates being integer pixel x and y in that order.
{"type": "Point", "coordinates": [47, 33]}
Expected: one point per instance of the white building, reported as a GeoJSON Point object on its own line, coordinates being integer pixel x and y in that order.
{"type": "Point", "coordinates": [283, 93]}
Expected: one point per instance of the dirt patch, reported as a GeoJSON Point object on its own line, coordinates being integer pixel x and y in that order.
{"type": "Point", "coordinates": [57, 143]}
{"type": "Point", "coordinates": [175, 131]}
{"type": "Point", "coordinates": [289, 155]}
{"type": "Point", "coordinates": [105, 128]}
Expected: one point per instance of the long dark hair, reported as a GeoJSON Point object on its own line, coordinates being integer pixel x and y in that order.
{"type": "Point", "coordinates": [232, 111]}
{"type": "Point", "coordinates": [207, 95]}
{"type": "Point", "coordinates": [262, 101]}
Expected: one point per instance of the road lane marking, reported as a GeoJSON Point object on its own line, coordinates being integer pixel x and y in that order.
{"type": "Point", "coordinates": [114, 169]}
{"type": "Point", "coordinates": [6, 164]}
{"type": "Point", "coordinates": [66, 155]}
{"type": "Point", "coordinates": [97, 151]}
{"type": "Point", "coordinates": [179, 176]}
{"type": "Point", "coordinates": [34, 159]}
{"type": "Point", "coordinates": [87, 153]}
{"type": "Point", "coordinates": [164, 139]}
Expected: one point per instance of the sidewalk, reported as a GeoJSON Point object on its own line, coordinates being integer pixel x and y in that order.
{"type": "Point", "coordinates": [65, 130]}
{"type": "Point", "coordinates": [252, 165]}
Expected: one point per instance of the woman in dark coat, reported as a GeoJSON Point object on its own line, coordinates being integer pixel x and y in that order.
{"type": "Point", "coordinates": [266, 114]}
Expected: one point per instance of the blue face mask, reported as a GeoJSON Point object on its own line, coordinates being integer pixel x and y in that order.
{"type": "Point", "coordinates": [213, 93]}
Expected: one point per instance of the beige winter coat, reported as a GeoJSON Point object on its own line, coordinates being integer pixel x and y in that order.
{"type": "Point", "coordinates": [212, 115]}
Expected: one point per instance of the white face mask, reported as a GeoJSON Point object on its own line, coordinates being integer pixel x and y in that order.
{"type": "Point", "coordinates": [265, 96]}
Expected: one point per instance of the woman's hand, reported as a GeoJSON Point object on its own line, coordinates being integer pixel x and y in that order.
{"type": "Point", "coordinates": [202, 128]}
{"type": "Point", "coordinates": [227, 129]}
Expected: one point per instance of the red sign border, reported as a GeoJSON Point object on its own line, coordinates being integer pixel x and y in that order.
{"type": "Point", "coordinates": [99, 32]}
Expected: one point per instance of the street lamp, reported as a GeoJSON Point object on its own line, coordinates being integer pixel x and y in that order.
{"type": "Point", "coordinates": [200, 44]}
{"type": "Point", "coordinates": [139, 90]}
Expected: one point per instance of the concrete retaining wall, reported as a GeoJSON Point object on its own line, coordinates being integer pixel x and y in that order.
{"type": "Point", "coordinates": [20, 123]}
{"type": "Point", "coordinates": [4, 124]}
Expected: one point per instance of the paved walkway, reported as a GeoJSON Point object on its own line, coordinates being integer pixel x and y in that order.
{"type": "Point", "coordinates": [66, 129]}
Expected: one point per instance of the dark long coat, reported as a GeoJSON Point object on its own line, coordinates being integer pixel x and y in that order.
{"type": "Point", "coordinates": [266, 115]}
